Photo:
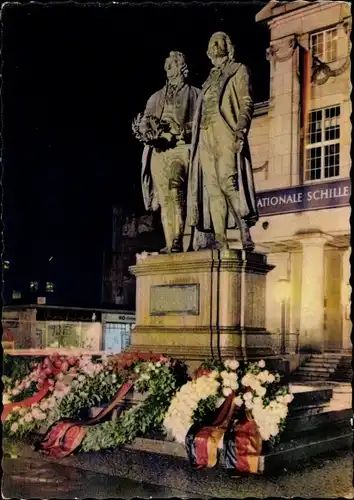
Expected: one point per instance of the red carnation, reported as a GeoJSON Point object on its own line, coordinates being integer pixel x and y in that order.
{"type": "Point", "coordinates": [64, 366]}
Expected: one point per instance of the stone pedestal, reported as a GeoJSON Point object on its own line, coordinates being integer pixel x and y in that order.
{"type": "Point", "coordinates": [202, 304]}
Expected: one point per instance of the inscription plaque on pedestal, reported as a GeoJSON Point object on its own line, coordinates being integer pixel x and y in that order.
{"type": "Point", "coordinates": [167, 300]}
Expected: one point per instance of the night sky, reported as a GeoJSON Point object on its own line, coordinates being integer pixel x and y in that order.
{"type": "Point", "coordinates": [74, 77]}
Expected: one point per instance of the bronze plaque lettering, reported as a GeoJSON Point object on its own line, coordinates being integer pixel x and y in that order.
{"type": "Point", "coordinates": [167, 300]}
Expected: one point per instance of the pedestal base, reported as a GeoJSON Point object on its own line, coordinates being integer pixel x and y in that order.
{"type": "Point", "coordinates": [202, 304]}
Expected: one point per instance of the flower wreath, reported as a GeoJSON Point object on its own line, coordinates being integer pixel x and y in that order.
{"type": "Point", "coordinates": [158, 380]}
{"type": "Point", "coordinates": [255, 389]}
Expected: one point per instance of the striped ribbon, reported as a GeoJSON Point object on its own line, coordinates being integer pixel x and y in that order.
{"type": "Point", "coordinates": [66, 435]}
{"type": "Point", "coordinates": [243, 446]}
{"type": "Point", "coordinates": [202, 440]}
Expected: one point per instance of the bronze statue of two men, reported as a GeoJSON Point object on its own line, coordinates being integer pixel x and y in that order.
{"type": "Point", "coordinates": [196, 159]}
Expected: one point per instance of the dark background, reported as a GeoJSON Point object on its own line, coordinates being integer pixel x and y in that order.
{"type": "Point", "coordinates": [74, 77]}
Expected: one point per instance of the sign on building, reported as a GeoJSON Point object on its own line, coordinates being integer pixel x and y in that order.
{"type": "Point", "coordinates": [303, 198]}
{"type": "Point", "coordinates": [118, 318]}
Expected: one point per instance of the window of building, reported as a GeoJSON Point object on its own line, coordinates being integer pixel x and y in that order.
{"type": "Point", "coordinates": [324, 45]}
{"type": "Point", "coordinates": [117, 336]}
{"type": "Point", "coordinates": [322, 147]}
{"type": "Point", "coordinates": [6, 265]}
{"type": "Point", "coordinates": [34, 286]}
{"type": "Point", "coordinates": [49, 286]}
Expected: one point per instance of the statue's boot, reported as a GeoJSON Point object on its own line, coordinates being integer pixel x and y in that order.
{"type": "Point", "coordinates": [177, 193]}
{"type": "Point", "coordinates": [177, 246]}
{"type": "Point", "coordinates": [246, 239]}
{"type": "Point", "coordinates": [220, 242]}
{"type": "Point", "coordinates": [234, 204]}
{"type": "Point", "coordinates": [167, 226]}
{"type": "Point", "coordinates": [165, 250]}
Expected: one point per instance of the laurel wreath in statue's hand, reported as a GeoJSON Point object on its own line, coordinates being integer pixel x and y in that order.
{"type": "Point", "coordinates": [160, 134]}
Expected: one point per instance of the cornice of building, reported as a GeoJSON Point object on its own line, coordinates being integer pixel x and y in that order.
{"type": "Point", "coordinates": [261, 108]}
{"type": "Point", "coordinates": [275, 8]}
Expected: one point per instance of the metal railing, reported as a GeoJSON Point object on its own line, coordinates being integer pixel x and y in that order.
{"type": "Point", "coordinates": [285, 343]}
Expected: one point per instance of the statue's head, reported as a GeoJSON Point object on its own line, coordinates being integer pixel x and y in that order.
{"type": "Point", "coordinates": [220, 48]}
{"type": "Point", "coordinates": [175, 65]}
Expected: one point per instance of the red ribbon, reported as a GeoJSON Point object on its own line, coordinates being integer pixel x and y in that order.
{"type": "Point", "coordinates": [26, 402]}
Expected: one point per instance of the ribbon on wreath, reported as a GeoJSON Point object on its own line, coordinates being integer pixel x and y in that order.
{"type": "Point", "coordinates": [243, 446]}
{"type": "Point", "coordinates": [36, 398]}
{"type": "Point", "coordinates": [65, 436]}
{"type": "Point", "coordinates": [202, 441]}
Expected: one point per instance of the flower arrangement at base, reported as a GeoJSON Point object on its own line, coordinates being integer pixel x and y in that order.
{"type": "Point", "coordinates": [95, 385]}
{"type": "Point", "coordinates": [214, 382]}
{"type": "Point", "coordinates": [16, 368]}
{"type": "Point", "coordinates": [59, 373]}
{"type": "Point", "coordinates": [254, 388]}
{"type": "Point", "coordinates": [158, 379]}
{"type": "Point", "coordinates": [242, 396]}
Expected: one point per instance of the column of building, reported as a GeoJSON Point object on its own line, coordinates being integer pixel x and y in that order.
{"type": "Point", "coordinates": [312, 293]}
{"type": "Point", "coordinates": [346, 291]}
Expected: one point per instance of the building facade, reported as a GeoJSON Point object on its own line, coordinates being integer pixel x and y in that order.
{"type": "Point", "coordinates": [130, 235]}
{"type": "Point", "coordinates": [42, 328]}
{"type": "Point", "coordinates": [300, 144]}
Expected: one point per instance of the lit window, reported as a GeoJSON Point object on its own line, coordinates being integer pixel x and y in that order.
{"type": "Point", "coordinates": [324, 45]}
{"type": "Point", "coordinates": [322, 147]}
{"type": "Point", "coordinates": [6, 264]}
{"type": "Point", "coordinates": [16, 294]}
{"type": "Point", "coordinates": [49, 287]}
{"type": "Point", "coordinates": [34, 286]}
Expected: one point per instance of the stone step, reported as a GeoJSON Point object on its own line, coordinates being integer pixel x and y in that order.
{"type": "Point", "coordinates": [345, 377]}
{"type": "Point", "coordinates": [307, 398]}
{"type": "Point", "coordinates": [315, 369]}
{"type": "Point", "coordinates": [344, 369]}
{"type": "Point", "coordinates": [345, 365]}
{"type": "Point", "coordinates": [327, 355]}
{"type": "Point", "coordinates": [308, 377]}
{"type": "Point", "coordinates": [326, 366]}
{"type": "Point", "coordinates": [312, 376]}
{"type": "Point", "coordinates": [326, 362]}
{"type": "Point", "coordinates": [288, 454]}
{"type": "Point", "coordinates": [313, 419]}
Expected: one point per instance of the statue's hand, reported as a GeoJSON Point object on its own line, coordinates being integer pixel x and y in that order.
{"type": "Point", "coordinates": [239, 143]}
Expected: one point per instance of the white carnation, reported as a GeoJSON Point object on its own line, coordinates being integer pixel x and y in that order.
{"type": "Point", "coordinates": [270, 378]}
{"type": "Point", "coordinates": [289, 398]}
{"type": "Point", "coordinates": [234, 364]}
{"type": "Point", "coordinates": [261, 391]}
{"type": "Point", "coordinates": [14, 427]}
{"type": "Point", "coordinates": [247, 396]}
{"type": "Point", "coordinates": [261, 363]}
{"type": "Point", "coordinates": [245, 381]}
{"type": "Point", "coordinates": [234, 385]}
{"type": "Point", "coordinates": [258, 402]}
{"type": "Point", "coordinates": [226, 391]}
{"type": "Point", "coordinates": [238, 401]}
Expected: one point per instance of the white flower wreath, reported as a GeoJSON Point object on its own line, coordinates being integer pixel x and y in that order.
{"type": "Point", "coordinates": [179, 416]}
{"type": "Point", "coordinates": [250, 391]}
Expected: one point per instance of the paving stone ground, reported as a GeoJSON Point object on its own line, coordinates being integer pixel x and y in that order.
{"type": "Point", "coordinates": [129, 473]}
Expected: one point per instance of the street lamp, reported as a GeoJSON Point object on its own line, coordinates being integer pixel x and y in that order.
{"type": "Point", "coordinates": [283, 289]}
